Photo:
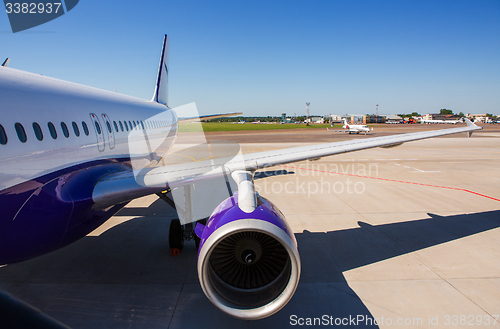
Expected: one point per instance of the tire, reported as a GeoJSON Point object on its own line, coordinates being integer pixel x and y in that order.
{"type": "Point", "coordinates": [175, 235]}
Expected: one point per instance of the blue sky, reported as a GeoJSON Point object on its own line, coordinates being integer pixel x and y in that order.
{"type": "Point", "coordinates": [268, 57]}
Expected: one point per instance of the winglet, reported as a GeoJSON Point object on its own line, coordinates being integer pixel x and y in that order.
{"type": "Point", "coordinates": [6, 62]}
{"type": "Point", "coordinates": [161, 89]}
{"type": "Point", "coordinates": [469, 123]}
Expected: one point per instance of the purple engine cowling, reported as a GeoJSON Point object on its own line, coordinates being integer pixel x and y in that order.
{"type": "Point", "coordinates": [248, 263]}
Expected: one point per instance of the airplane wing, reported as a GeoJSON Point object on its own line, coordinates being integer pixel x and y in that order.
{"type": "Point", "coordinates": [338, 131]}
{"type": "Point", "coordinates": [124, 186]}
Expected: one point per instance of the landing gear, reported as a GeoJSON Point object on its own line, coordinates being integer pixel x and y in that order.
{"type": "Point", "coordinates": [179, 233]}
{"type": "Point", "coordinates": [175, 237]}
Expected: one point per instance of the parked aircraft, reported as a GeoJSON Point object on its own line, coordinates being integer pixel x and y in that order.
{"type": "Point", "coordinates": [350, 128]}
{"type": "Point", "coordinates": [71, 156]}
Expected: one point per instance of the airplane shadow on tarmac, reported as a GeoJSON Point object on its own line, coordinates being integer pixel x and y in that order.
{"type": "Point", "coordinates": [126, 278]}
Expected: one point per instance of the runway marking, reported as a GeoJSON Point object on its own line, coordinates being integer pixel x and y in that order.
{"type": "Point", "coordinates": [395, 180]}
{"type": "Point", "coordinates": [397, 164]}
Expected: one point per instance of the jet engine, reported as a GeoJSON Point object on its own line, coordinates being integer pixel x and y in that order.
{"type": "Point", "coordinates": [248, 263]}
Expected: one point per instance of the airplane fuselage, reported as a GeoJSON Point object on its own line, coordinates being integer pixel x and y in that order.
{"type": "Point", "coordinates": [57, 139]}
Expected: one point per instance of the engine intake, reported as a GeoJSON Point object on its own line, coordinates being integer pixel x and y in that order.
{"type": "Point", "coordinates": [248, 264]}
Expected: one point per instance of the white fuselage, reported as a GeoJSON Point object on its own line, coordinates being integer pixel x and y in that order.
{"type": "Point", "coordinates": [355, 128]}
{"type": "Point", "coordinates": [28, 99]}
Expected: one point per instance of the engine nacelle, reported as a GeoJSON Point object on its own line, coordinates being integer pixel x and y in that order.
{"type": "Point", "coordinates": [248, 263]}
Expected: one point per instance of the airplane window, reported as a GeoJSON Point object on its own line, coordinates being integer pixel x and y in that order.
{"type": "Point", "coordinates": [52, 130]}
{"type": "Point", "coordinates": [109, 126]}
{"type": "Point", "coordinates": [3, 136]}
{"type": "Point", "coordinates": [121, 125]}
{"type": "Point", "coordinates": [130, 125]}
{"type": "Point", "coordinates": [65, 129]}
{"type": "Point", "coordinates": [116, 126]}
{"type": "Point", "coordinates": [135, 124]}
{"type": "Point", "coordinates": [21, 133]}
{"type": "Point", "coordinates": [142, 125]}
{"type": "Point", "coordinates": [97, 128]}
{"type": "Point", "coordinates": [126, 125]}
{"type": "Point", "coordinates": [85, 128]}
{"type": "Point", "coordinates": [75, 129]}
{"type": "Point", "coordinates": [38, 131]}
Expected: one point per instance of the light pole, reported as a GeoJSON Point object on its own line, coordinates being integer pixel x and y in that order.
{"type": "Point", "coordinates": [307, 112]}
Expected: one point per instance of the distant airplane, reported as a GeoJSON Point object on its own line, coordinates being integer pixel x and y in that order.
{"type": "Point", "coordinates": [68, 156]}
{"type": "Point", "coordinates": [353, 128]}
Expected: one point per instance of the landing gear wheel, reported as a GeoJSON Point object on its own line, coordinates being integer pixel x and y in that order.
{"type": "Point", "coordinates": [175, 237]}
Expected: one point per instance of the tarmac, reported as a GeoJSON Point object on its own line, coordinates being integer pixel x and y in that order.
{"type": "Point", "coordinates": [403, 237]}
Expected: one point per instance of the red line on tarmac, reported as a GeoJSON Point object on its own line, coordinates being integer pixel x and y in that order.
{"type": "Point", "coordinates": [394, 180]}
